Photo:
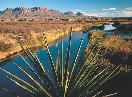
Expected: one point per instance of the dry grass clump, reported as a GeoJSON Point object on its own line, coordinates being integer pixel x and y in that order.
{"type": "Point", "coordinates": [118, 44]}
{"type": "Point", "coordinates": [6, 47]}
{"type": "Point", "coordinates": [115, 43]}
{"type": "Point", "coordinates": [120, 49]}
{"type": "Point", "coordinates": [9, 31]}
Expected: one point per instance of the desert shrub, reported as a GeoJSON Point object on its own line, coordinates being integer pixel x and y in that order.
{"type": "Point", "coordinates": [120, 50]}
{"type": "Point", "coordinates": [4, 47]}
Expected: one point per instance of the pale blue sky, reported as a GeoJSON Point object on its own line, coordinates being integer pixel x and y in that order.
{"type": "Point", "coordinates": [89, 7]}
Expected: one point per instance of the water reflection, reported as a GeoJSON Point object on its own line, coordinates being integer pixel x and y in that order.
{"type": "Point", "coordinates": [109, 27]}
{"type": "Point", "coordinates": [16, 56]}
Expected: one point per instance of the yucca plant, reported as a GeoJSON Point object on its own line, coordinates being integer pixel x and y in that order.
{"type": "Point", "coordinates": [79, 79]}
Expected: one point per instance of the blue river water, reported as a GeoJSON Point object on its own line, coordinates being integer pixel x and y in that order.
{"type": "Point", "coordinates": [109, 27]}
{"type": "Point", "coordinates": [8, 65]}
{"type": "Point", "coordinates": [4, 81]}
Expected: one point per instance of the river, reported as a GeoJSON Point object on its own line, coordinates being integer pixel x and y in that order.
{"type": "Point", "coordinates": [8, 65]}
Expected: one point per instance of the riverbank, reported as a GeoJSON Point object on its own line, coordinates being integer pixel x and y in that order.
{"type": "Point", "coordinates": [9, 45]}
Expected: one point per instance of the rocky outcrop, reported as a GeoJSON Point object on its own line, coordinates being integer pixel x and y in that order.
{"type": "Point", "coordinates": [69, 13]}
{"type": "Point", "coordinates": [80, 14]}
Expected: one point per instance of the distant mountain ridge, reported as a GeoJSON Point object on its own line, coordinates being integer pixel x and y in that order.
{"type": "Point", "coordinates": [37, 12]}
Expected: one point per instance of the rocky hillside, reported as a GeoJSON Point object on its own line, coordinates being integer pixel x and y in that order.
{"type": "Point", "coordinates": [37, 12]}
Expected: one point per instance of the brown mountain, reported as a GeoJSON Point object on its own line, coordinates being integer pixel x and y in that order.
{"type": "Point", "coordinates": [36, 12]}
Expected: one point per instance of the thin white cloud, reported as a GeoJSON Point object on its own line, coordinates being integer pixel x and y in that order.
{"type": "Point", "coordinates": [118, 11]}
{"type": "Point", "coordinates": [129, 8]}
{"type": "Point", "coordinates": [93, 10]}
{"type": "Point", "coordinates": [110, 9]}
{"type": "Point", "coordinates": [103, 14]}
{"type": "Point", "coordinates": [125, 13]}
{"type": "Point", "coordinates": [76, 11]}
{"type": "Point", "coordinates": [92, 14]}
{"type": "Point", "coordinates": [105, 9]}
{"type": "Point", "coordinates": [85, 13]}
